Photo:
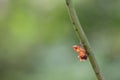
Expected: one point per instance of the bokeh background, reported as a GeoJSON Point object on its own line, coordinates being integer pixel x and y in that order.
{"type": "Point", "coordinates": [36, 39]}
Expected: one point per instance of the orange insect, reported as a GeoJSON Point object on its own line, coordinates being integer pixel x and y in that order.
{"type": "Point", "coordinates": [81, 52]}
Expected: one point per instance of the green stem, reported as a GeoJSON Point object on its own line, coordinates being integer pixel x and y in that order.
{"type": "Point", "coordinates": [82, 37]}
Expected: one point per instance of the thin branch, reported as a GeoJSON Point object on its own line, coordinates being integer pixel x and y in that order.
{"type": "Point", "coordinates": [82, 37]}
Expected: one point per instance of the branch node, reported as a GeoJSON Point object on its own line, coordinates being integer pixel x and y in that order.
{"type": "Point", "coordinates": [67, 3]}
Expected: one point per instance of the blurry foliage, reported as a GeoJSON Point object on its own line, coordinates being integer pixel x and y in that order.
{"type": "Point", "coordinates": [36, 38]}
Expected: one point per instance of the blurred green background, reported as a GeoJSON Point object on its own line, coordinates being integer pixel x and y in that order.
{"type": "Point", "coordinates": [36, 39]}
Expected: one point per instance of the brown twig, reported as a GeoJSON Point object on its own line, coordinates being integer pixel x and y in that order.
{"type": "Point", "coordinates": [82, 37]}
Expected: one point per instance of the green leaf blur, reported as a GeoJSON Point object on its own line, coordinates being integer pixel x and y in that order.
{"type": "Point", "coordinates": [36, 39]}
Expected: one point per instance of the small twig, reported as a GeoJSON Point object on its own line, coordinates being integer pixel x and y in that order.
{"type": "Point", "coordinates": [82, 37]}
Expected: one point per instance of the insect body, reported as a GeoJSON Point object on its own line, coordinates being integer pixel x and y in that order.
{"type": "Point", "coordinates": [81, 52]}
